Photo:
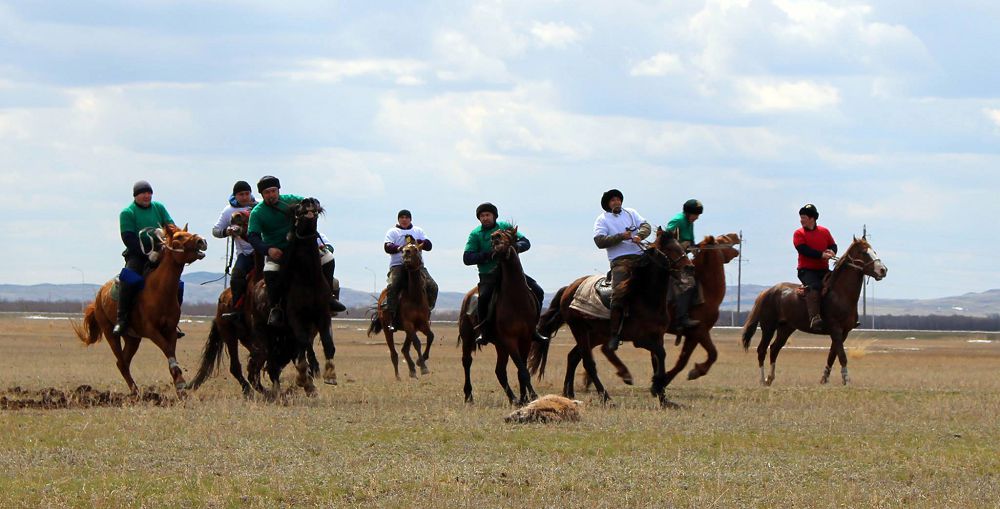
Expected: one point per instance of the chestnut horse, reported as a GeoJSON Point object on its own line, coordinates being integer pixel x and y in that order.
{"type": "Point", "coordinates": [414, 312]}
{"type": "Point", "coordinates": [155, 313]}
{"type": "Point", "coordinates": [780, 309]}
{"type": "Point", "coordinates": [647, 321]}
{"type": "Point", "coordinates": [711, 255]}
{"type": "Point", "coordinates": [516, 314]}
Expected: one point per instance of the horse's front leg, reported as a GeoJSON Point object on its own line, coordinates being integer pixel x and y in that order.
{"type": "Point", "coordinates": [620, 368]}
{"type": "Point", "coordinates": [168, 345]}
{"type": "Point", "coordinates": [501, 371]}
{"type": "Point", "coordinates": [523, 378]}
{"type": "Point", "coordinates": [303, 344]}
{"type": "Point", "coordinates": [329, 350]}
{"type": "Point", "coordinates": [701, 369]}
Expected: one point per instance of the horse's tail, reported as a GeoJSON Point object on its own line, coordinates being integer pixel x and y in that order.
{"type": "Point", "coordinates": [211, 357]}
{"type": "Point", "coordinates": [753, 319]}
{"type": "Point", "coordinates": [376, 326]}
{"type": "Point", "coordinates": [548, 325]}
{"type": "Point", "coordinates": [89, 331]}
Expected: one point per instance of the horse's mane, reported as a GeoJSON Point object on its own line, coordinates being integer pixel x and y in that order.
{"type": "Point", "coordinates": [831, 276]}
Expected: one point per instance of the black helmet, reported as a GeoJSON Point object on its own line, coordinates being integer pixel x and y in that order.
{"type": "Point", "coordinates": [487, 207]}
{"type": "Point", "coordinates": [693, 206]}
{"type": "Point", "coordinates": [809, 210]}
{"type": "Point", "coordinates": [404, 213]}
{"type": "Point", "coordinates": [267, 182]}
{"type": "Point", "coordinates": [606, 198]}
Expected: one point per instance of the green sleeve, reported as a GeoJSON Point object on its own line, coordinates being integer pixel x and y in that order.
{"type": "Point", "coordinates": [253, 226]}
{"type": "Point", "coordinates": [291, 199]}
{"type": "Point", "coordinates": [676, 222]}
{"type": "Point", "coordinates": [472, 243]}
{"type": "Point", "coordinates": [126, 222]}
{"type": "Point", "coordinates": [165, 215]}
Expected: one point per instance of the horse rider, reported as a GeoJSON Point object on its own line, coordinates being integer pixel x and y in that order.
{"type": "Point", "coordinates": [816, 247]}
{"type": "Point", "coordinates": [619, 231]}
{"type": "Point", "coordinates": [395, 239]}
{"type": "Point", "coordinates": [270, 223]}
{"type": "Point", "coordinates": [683, 289]}
{"type": "Point", "coordinates": [138, 223]}
{"type": "Point", "coordinates": [241, 201]}
{"type": "Point", "coordinates": [479, 252]}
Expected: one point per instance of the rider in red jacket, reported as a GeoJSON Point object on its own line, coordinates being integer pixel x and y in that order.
{"type": "Point", "coordinates": [816, 247]}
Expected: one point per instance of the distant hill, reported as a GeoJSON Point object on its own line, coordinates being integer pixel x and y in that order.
{"type": "Point", "coordinates": [970, 304]}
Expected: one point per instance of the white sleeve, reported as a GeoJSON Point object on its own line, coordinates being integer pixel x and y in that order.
{"type": "Point", "coordinates": [600, 228]}
{"type": "Point", "coordinates": [638, 218]}
{"type": "Point", "coordinates": [420, 235]}
{"type": "Point", "coordinates": [390, 236]}
{"type": "Point", "coordinates": [225, 218]}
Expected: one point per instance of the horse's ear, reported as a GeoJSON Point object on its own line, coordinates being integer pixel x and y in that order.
{"type": "Point", "coordinates": [514, 231]}
{"type": "Point", "coordinates": [185, 227]}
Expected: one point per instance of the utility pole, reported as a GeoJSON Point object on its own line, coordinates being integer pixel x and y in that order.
{"type": "Point", "coordinates": [864, 287]}
{"type": "Point", "coordinates": [739, 279]}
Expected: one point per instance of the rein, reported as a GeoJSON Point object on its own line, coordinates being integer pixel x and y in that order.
{"type": "Point", "coordinates": [670, 266]}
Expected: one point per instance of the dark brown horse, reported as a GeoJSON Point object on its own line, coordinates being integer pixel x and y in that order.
{"type": "Point", "coordinates": [306, 304]}
{"type": "Point", "coordinates": [647, 321]}
{"type": "Point", "coordinates": [516, 314]}
{"type": "Point", "coordinates": [711, 255]}
{"type": "Point", "coordinates": [414, 312]}
{"type": "Point", "coordinates": [155, 313]}
{"type": "Point", "coordinates": [780, 309]}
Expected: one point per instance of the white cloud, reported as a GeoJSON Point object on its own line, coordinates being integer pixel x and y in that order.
{"type": "Point", "coordinates": [459, 59]}
{"type": "Point", "coordinates": [659, 64]}
{"type": "Point", "coordinates": [993, 114]}
{"type": "Point", "coordinates": [333, 71]}
{"type": "Point", "coordinates": [787, 96]}
{"type": "Point", "coordinates": [557, 35]}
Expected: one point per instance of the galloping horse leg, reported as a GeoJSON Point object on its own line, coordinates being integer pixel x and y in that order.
{"type": "Point", "coordinates": [235, 368]}
{"type": "Point", "coordinates": [329, 350]}
{"type": "Point", "coordinates": [523, 379]}
{"type": "Point", "coordinates": [620, 367]}
{"type": "Point", "coordinates": [168, 345]}
{"type": "Point", "coordinates": [125, 359]}
{"type": "Point", "coordinates": [420, 355]}
{"type": "Point", "coordinates": [836, 352]}
{"type": "Point", "coordinates": [591, 367]}
{"type": "Point", "coordinates": [501, 371]}
{"type": "Point", "coordinates": [659, 386]}
{"type": "Point", "coordinates": [255, 365]}
{"type": "Point", "coordinates": [701, 369]}
{"type": "Point", "coordinates": [690, 341]}
{"type": "Point", "coordinates": [767, 333]}
{"type": "Point", "coordinates": [572, 361]}
{"type": "Point", "coordinates": [406, 353]}
{"type": "Point", "coordinates": [313, 361]}
{"type": "Point", "coordinates": [392, 352]}
{"type": "Point", "coordinates": [783, 334]}
{"type": "Point", "coordinates": [426, 329]}
{"type": "Point", "coordinates": [303, 345]}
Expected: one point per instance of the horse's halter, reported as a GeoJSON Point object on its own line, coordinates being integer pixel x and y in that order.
{"type": "Point", "coordinates": [668, 263]}
{"type": "Point", "coordinates": [199, 245]}
{"type": "Point", "coordinates": [856, 263]}
{"type": "Point", "coordinates": [411, 256]}
{"type": "Point", "coordinates": [503, 238]}
{"type": "Point", "coordinates": [306, 213]}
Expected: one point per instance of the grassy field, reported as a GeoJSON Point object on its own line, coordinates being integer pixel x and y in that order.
{"type": "Point", "coordinates": [917, 428]}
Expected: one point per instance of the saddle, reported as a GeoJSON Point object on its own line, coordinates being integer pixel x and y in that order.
{"type": "Point", "coordinates": [604, 290]}
{"type": "Point", "coordinates": [593, 297]}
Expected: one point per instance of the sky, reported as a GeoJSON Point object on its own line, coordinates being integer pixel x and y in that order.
{"type": "Point", "coordinates": [885, 114]}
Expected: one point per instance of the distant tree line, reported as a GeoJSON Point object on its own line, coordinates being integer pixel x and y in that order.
{"type": "Point", "coordinates": [990, 323]}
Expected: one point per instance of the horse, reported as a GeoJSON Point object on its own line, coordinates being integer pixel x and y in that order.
{"type": "Point", "coordinates": [414, 312]}
{"type": "Point", "coordinates": [711, 255]}
{"type": "Point", "coordinates": [647, 322]}
{"type": "Point", "coordinates": [513, 327]}
{"type": "Point", "coordinates": [155, 313]}
{"type": "Point", "coordinates": [780, 309]}
{"type": "Point", "coordinates": [306, 304]}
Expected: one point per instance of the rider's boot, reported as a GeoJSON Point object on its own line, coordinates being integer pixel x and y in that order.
{"type": "Point", "coordinates": [126, 299]}
{"type": "Point", "coordinates": [238, 287]}
{"type": "Point", "coordinates": [617, 322]}
{"type": "Point", "coordinates": [682, 308]}
{"type": "Point", "coordinates": [180, 302]}
{"type": "Point", "coordinates": [813, 298]}
{"type": "Point", "coordinates": [335, 304]}
{"type": "Point", "coordinates": [272, 282]}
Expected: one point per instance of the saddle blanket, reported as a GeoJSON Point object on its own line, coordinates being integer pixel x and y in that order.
{"type": "Point", "coordinates": [587, 299]}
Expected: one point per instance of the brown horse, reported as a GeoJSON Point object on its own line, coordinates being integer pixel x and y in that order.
{"type": "Point", "coordinates": [414, 312]}
{"type": "Point", "coordinates": [780, 309]}
{"type": "Point", "coordinates": [516, 314]}
{"type": "Point", "coordinates": [711, 255]}
{"type": "Point", "coordinates": [647, 322]}
{"type": "Point", "coordinates": [155, 313]}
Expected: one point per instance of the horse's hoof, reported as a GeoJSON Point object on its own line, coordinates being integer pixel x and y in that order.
{"type": "Point", "coordinates": [824, 380]}
{"type": "Point", "coordinates": [768, 381]}
{"type": "Point", "coordinates": [666, 404]}
{"type": "Point", "coordinates": [469, 400]}
{"type": "Point", "coordinates": [628, 380]}
{"type": "Point", "coordinates": [424, 370]}
{"type": "Point", "coordinates": [413, 374]}
{"type": "Point", "coordinates": [847, 381]}
{"type": "Point", "coordinates": [330, 381]}
{"type": "Point", "coordinates": [694, 374]}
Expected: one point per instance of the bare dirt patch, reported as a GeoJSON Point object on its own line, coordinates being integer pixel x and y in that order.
{"type": "Point", "coordinates": [84, 396]}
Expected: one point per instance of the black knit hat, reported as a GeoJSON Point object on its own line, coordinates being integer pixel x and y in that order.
{"type": "Point", "coordinates": [487, 207]}
{"type": "Point", "coordinates": [606, 198]}
{"type": "Point", "coordinates": [404, 213]}
{"type": "Point", "coordinates": [141, 187]}
{"type": "Point", "coordinates": [693, 206]}
{"type": "Point", "coordinates": [241, 186]}
{"type": "Point", "coordinates": [809, 210]}
{"type": "Point", "coordinates": [267, 182]}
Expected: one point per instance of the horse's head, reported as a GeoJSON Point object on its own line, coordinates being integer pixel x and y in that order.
{"type": "Point", "coordinates": [305, 215]}
{"type": "Point", "coordinates": [241, 220]}
{"type": "Point", "coordinates": [412, 259]}
{"type": "Point", "coordinates": [667, 247]}
{"type": "Point", "coordinates": [862, 255]}
{"type": "Point", "coordinates": [187, 247]}
{"type": "Point", "coordinates": [503, 242]}
{"type": "Point", "coordinates": [724, 244]}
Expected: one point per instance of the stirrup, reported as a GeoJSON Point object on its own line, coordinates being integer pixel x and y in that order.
{"type": "Point", "coordinates": [816, 323]}
{"type": "Point", "coordinates": [274, 318]}
{"type": "Point", "coordinates": [120, 329]}
{"type": "Point", "coordinates": [336, 306]}
{"type": "Point", "coordinates": [481, 340]}
{"type": "Point", "coordinates": [688, 323]}
{"type": "Point", "coordinates": [232, 316]}
{"type": "Point", "coordinates": [539, 338]}
{"type": "Point", "coordinates": [180, 333]}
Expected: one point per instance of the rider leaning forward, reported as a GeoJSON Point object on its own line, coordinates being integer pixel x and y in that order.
{"type": "Point", "coordinates": [270, 223]}
{"type": "Point", "coordinates": [138, 223]}
{"type": "Point", "coordinates": [816, 247]}
{"type": "Point", "coordinates": [479, 252]}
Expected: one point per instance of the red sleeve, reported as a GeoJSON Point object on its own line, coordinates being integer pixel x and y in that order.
{"type": "Point", "coordinates": [829, 239]}
{"type": "Point", "coordinates": [799, 238]}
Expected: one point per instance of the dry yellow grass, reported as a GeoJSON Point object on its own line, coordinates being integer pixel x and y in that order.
{"type": "Point", "coordinates": [916, 428]}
